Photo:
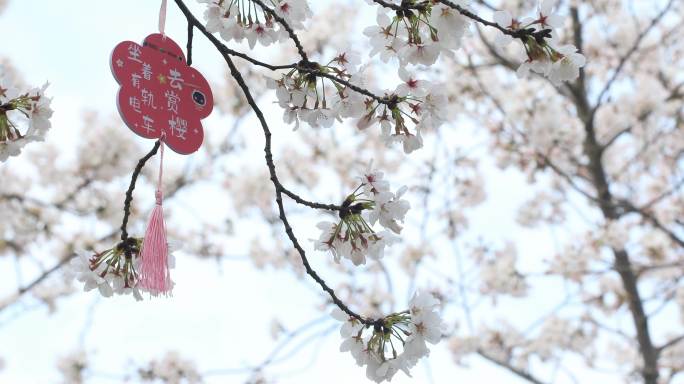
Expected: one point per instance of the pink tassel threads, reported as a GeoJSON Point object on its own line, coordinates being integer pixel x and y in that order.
{"type": "Point", "coordinates": [154, 267]}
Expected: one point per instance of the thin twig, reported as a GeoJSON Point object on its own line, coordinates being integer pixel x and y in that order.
{"type": "Point", "coordinates": [299, 200]}
{"type": "Point", "coordinates": [651, 218]}
{"type": "Point", "coordinates": [522, 34]}
{"type": "Point", "coordinates": [627, 56]}
{"type": "Point", "coordinates": [519, 372]}
{"type": "Point", "coordinates": [37, 281]}
{"type": "Point", "coordinates": [287, 27]}
{"type": "Point", "coordinates": [670, 343]}
{"type": "Point", "coordinates": [302, 66]}
{"type": "Point", "coordinates": [279, 189]}
{"type": "Point", "coordinates": [131, 187]}
{"type": "Point", "coordinates": [189, 46]}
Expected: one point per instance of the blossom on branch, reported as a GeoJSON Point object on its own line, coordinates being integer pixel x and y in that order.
{"type": "Point", "coordinates": [393, 343]}
{"type": "Point", "coordinates": [418, 35]}
{"type": "Point", "coordinates": [353, 237]}
{"type": "Point", "coordinates": [24, 116]}
{"type": "Point", "coordinates": [240, 20]}
{"type": "Point", "coordinates": [114, 271]}
{"type": "Point", "coordinates": [172, 368]}
{"type": "Point", "coordinates": [545, 56]}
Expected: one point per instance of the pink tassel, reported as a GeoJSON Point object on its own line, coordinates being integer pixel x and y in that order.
{"type": "Point", "coordinates": [154, 269]}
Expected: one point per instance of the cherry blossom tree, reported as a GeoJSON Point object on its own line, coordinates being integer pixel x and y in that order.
{"type": "Point", "coordinates": [578, 105]}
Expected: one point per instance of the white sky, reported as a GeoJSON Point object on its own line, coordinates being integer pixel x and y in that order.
{"type": "Point", "coordinates": [221, 320]}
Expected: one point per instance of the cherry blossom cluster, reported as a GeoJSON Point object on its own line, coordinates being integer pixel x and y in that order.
{"type": "Point", "coordinates": [418, 35]}
{"type": "Point", "coordinates": [76, 368]}
{"type": "Point", "coordinates": [24, 117]}
{"type": "Point", "coordinates": [114, 271]}
{"type": "Point", "coordinates": [237, 20]}
{"type": "Point", "coordinates": [353, 237]}
{"type": "Point", "coordinates": [414, 102]}
{"type": "Point", "coordinates": [545, 55]}
{"type": "Point", "coordinates": [304, 96]}
{"type": "Point", "coordinates": [401, 114]}
{"type": "Point", "coordinates": [395, 342]}
{"type": "Point", "coordinates": [73, 365]}
{"type": "Point", "coordinates": [171, 368]}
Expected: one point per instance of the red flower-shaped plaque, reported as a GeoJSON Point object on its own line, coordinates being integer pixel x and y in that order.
{"type": "Point", "coordinates": [160, 93]}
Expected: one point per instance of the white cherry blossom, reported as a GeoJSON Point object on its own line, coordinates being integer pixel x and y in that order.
{"type": "Point", "coordinates": [546, 17]}
{"type": "Point", "coordinates": [409, 331]}
{"type": "Point", "coordinates": [411, 85]}
{"type": "Point", "coordinates": [24, 116]}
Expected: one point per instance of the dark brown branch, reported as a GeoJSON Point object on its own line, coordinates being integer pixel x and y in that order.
{"type": "Point", "coordinates": [176, 187]}
{"type": "Point", "coordinates": [223, 49]}
{"type": "Point", "coordinates": [648, 352]}
{"type": "Point", "coordinates": [301, 66]}
{"type": "Point", "coordinates": [670, 343]}
{"type": "Point", "coordinates": [611, 210]}
{"type": "Point", "coordinates": [62, 203]}
{"type": "Point", "coordinates": [546, 160]}
{"type": "Point", "coordinates": [356, 88]}
{"type": "Point", "coordinates": [279, 189]}
{"type": "Point", "coordinates": [567, 178]}
{"type": "Point", "coordinates": [518, 372]}
{"type": "Point", "coordinates": [38, 280]}
{"type": "Point", "coordinates": [616, 136]}
{"type": "Point", "coordinates": [191, 30]}
{"type": "Point", "coordinates": [579, 89]}
{"type": "Point", "coordinates": [676, 187]}
{"type": "Point", "coordinates": [393, 6]}
{"type": "Point", "coordinates": [193, 21]}
{"type": "Point", "coordinates": [623, 265]}
{"type": "Point", "coordinates": [487, 5]}
{"type": "Point", "coordinates": [513, 66]}
{"type": "Point", "coordinates": [131, 187]}
{"type": "Point", "coordinates": [622, 262]}
{"type": "Point", "coordinates": [522, 34]}
{"type": "Point", "coordinates": [244, 56]}
{"type": "Point", "coordinates": [649, 217]}
{"type": "Point", "coordinates": [299, 200]}
{"type": "Point", "coordinates": [287, 27]}
{"type": "Point", "coordinates": [518, 34]}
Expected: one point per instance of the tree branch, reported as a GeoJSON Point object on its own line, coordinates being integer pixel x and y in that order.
{"type": "Point", "coordinates": [176, 187]}
{"type": "Point", "coordinates": [518, 372]}
{"type": "Point", "coordinates": [606, 204]}
{"type": "Point", "coordinates": [521, 34]}
{"type": "Point", "coordinates": [629, 207]}
{"type": "Point", "coordinates": [305, 67]}
{"type": "Point", "coordinates": [299, 200]}
{"type": "Point", "coordinates": [287, 27]}
{"type": "Point", "coordinates": [628, 55]}
{"type": "Point", "coordinates": [191, 30]}
{"type": "Point", "coordinates": [131, 187]}
{"type": "Point", "coordinates": [38, 280]}
{"type": "Point", "coordinates": [670, 343]}
{"type": "Point", "coordinates": [279, 189]}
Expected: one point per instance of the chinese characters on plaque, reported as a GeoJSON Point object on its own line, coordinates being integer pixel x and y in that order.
{"type": "Point", "coordinates": [160, 93]}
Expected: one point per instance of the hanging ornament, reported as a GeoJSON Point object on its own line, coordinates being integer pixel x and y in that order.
{"type": "Point", "coordinates": [160, 94]}
{"type": "Point", "coordinates": [163, 98]}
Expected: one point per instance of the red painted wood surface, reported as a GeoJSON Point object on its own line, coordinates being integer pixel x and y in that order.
{"type": "Point", "coordinates": [160, 94]}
